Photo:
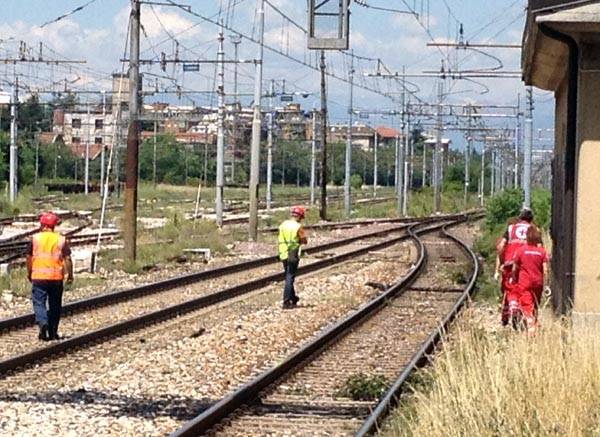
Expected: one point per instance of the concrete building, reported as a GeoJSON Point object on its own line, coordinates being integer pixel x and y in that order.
{"type": "Point", "coordinates": [363, 136]}
{"type": "Point", "coordinates": [81, 128]}
{"type": "Point", "coordinates": [561, 53]}
{"type": "Point", "coordinates": [387, 136]}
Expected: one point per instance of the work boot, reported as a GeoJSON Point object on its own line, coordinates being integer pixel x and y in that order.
{"type": "Point", "coordinates": [43, 335]}
{"type": "Point", "coordinates": [295, 300]}
{"type": "Point", "coordinates": [288, 305]}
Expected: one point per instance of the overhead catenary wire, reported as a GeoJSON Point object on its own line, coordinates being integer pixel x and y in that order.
{"type": "Point", "coordinates": [275, 50]}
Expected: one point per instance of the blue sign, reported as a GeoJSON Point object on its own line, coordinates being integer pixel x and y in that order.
{"type": "Point", "coordinates": [191, 67]}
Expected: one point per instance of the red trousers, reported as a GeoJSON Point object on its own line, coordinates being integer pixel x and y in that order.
{"type": "Point", "coordinates": [505, 287]}
{"type": "Point", "coordinates": [525, 299]}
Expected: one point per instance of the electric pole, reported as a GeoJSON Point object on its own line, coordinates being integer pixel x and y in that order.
{"type": "Point", "coordinates": [482, 177]}
{"type": "Point", "coordinates": [154, 149]}
{"type": "Point", "coordinates": [131, 177]}
{"type": "Point", "coordinates": [235, 40]}
{"type": "Point", "coordinates": [347, 173]}
{"type": "Point", "coordinates": [220, 131]}
{"type": "Point", "coordinates": [86, 178]}
{"type": "Point", "coordinates": [13, 158]}
{"type": "Point", "coordinates": [437, 153]}
{"type": "Point", "coordinates": [375, 169]}
{"type": "Point", "coordinates": [256, 128]}
{"type": "Point", "coordinates": [407, 165]}
{"type": "Point", "coordinates": [323, 211]}
{"type": "Point", "coordinates": [528, 147]}
{"type": "Point", "coordinates": [270, 147]}
{"type": "Point", "coordinates": [468, 156]}
{"type": "Point", "coordinates": [102, 152]}
{"type": "Point", "coordinates": [517, 142]}
{"type": "Point", "coordinates": [313, 156]}
{"type": "Point", "coordinates": [424, 178]}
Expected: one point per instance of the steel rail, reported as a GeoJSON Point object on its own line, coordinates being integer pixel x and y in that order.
{"type": "Point", "coordinates": [106, 299]}
{"type": "Point", "coordinates": [179, 281]}
{"type": "Point", "coordinates": [421, 357]}
{"type": "Point", "coordinates": [248, 392]}
{"type": "Point", "coordinates": [153, 317]}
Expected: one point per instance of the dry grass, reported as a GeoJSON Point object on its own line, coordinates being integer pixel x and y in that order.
{"type": "Point", "coordinates": [503, 383]}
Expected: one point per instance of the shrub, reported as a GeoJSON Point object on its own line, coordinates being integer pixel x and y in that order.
{"type": "Point", "coordinates": [356, 181]}
{"type": "Point", "coordinates": [503, 206]}
{"type": "Point", "coordinates": [363, 387]}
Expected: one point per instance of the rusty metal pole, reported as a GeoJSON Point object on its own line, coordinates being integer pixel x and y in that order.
{"type": "Point", "coordinates": [323, 210]}
{"type": "Point", "coordinates": [131, 168]}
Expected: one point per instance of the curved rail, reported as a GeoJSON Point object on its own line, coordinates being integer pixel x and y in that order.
{"type": "Point", "coordinates": [251, 390]}
{"type": "Point", "coordinates": [421, 357]}
{"type": "Point", "coordinates": [192, 278]}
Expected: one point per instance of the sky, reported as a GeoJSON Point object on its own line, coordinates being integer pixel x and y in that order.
{"type": "Point", "coordinates": [97, 34]}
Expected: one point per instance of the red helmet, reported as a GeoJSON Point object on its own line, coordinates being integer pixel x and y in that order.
{"type": "Point", "coordinates": [49, 219]}
{"type": "Point", "coordinates": [298, 211]}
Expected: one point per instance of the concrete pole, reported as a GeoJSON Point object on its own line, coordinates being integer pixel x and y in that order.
{"type": "Point", "coordinates": [220, 182]}
{"type": "Point", "coordinates": [154, 149]}
{"type": "Point", "coordinates": [482, 176]}
{"type": "Point", "coordinates": [397, 183]}
{"type": "Point", "coordinates": [493, 172]}
{"type": "Point", "coordinates": [313, 156]}
{"type": "Point", "coordinates": [396, 163]}
{"type": "Point", "coordinates": [37, 161]}
{"type": "Point", "coordinates": [323, 210]}
{"type": "Point", "coordinates": [517, 142]}
{"type": "Point", "coordinates": [412, 149]}
{"type": "Point", "coordinates": [13, 156]}
{"type": "Point", "coordinates": [348, 163]}
{"type": "Point", "coordinates": [103, 151]}
{"type": "Point", "coordinates": [86, 171]}
{"type": "Point", "coordinates": [236, 40]}
{"type": "Point", "coordinates": [131, 176]}
{"type": "Point", "coordinates": [256, 129]}
{"type": "Point", "coordinates": [437, 203]}
{"type": "Point", "coordinates": [270, 147]}
{"type": "Point", "coordinates": [528, 148]}
{"type": "Point", "coordinates": [407, 165]}
{"type": "Point", "coordinates": [468, 157]}
{"type": "Point", "coordinates": [424, 178]}
{"type": "Point", "coordinates": [375, 163]}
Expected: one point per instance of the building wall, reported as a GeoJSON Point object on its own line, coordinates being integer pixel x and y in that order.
{"type": "Point", "coordinates": [587, 243]}
{"type": "Point", "coordinates": [561, 262]}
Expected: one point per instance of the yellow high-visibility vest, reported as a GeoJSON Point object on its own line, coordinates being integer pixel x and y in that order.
{"type": "Point", "coordinates": [288, 238]}
{"type": "Point", "coordinates": [47, 260]}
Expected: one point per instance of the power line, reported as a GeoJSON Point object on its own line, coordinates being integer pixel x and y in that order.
{"type": "Point", "coordinates": [276, 51]}
{"type": "Point", "coordinates": [68, 14]}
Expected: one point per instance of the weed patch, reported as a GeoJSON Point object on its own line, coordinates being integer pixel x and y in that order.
{"type": "Point", "coordinates": [362, 387]}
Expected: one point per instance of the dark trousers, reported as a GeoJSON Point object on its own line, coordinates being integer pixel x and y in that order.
{"type": "Point", "coordinates": [46, 297]}
{"type": "Point", "coordinates": [290, 268]}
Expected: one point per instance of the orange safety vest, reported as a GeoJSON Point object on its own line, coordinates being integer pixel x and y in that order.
{"type": "Point", "coordinates": [47, 261]}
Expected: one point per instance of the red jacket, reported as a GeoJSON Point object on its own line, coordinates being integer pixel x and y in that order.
{"type": "Point", "coordinates": [530, 261]}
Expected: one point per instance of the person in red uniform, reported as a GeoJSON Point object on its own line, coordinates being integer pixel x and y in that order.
{"type": "Point", "coordinates": [530, 272]}
{"type": "Point", "coordinates": [503, 274]}
{"type": "Point", "coordinates": [514, 238]}
{"type": "Point", "coordinates": [48, 259]}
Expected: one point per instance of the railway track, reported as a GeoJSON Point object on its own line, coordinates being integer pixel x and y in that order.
{"type": "Point", "coordinates": [137, 308]}
{"type": "Point", "coordinates": [386, 338]}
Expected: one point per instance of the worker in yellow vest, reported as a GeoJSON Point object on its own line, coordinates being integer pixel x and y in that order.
{"type": "Point", "coordinates": [48, 260]}
{"type": "Point", "coordinates": [291, 237]}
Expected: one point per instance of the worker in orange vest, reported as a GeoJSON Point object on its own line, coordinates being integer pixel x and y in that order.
{"type": "Point", "coordinates": [291, 238]}
{"type": "Point", "coordinates": [48, 260]}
